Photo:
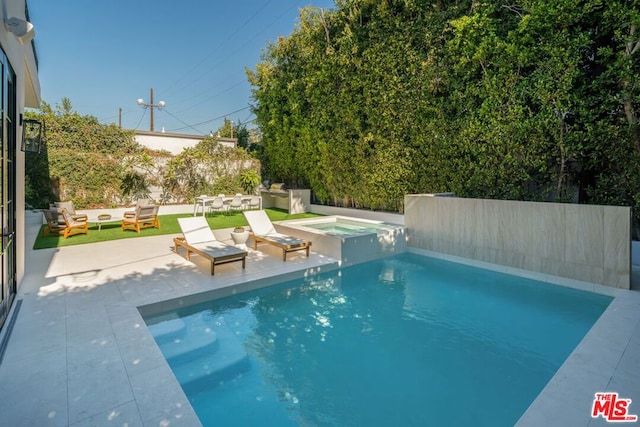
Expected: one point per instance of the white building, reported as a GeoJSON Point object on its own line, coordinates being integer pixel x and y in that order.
{"type": "Point", "coordinates": [174, 143]}
{"type": "Point", "coordinates": [20, 88]}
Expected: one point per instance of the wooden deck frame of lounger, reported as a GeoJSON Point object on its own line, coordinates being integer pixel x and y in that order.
{"type": "Point", "coordinates": [304, 245]}
{"type": "Point", "coordinates": [223, 259]}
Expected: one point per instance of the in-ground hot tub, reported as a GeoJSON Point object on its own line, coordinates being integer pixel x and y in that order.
{"type": "Point", "coordinates": [349, 240]}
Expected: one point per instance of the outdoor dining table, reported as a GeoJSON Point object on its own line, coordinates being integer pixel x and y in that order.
{"type": "Point", "coordinates": [201, 201]}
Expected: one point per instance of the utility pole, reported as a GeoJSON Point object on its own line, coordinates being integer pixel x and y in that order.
{"type": "Point", "coordinates": [151, 106]}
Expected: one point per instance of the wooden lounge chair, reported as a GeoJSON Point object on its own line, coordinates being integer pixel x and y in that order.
{"type": "Point", "coordinates": [74, 226]}
{"type": "Point", "coordinates": [262, 230]}
{"type": "Point", "coordinates": [139, 202]}
{"type": "Point", "coordinates": [145, 217]}
{"type": "Point", "coordinates": [199, 239]}
{"type": "Point", "coordinates": [71, 210]}
{"type": "Point", "coordinates": [55, 223]}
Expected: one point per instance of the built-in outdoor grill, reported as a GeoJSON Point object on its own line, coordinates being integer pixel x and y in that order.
{"type": "Point", "coordinates": [292, 200]}
{"type": "Point", "coordinates": [276, 190]}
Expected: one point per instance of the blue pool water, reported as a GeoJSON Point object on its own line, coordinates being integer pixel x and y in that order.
{"type": "Point", "coordinates": [402, 341]}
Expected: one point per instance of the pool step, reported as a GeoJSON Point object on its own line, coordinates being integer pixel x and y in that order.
{"type": "Point", "coordinates": [179, 344]}
{"type": "Point", "coordinates": [190, 346]}
{"type": "Point", "coordinates": [199, 356]}
{"type": "Point", "coordinates": [208, 369]}
{"type": "Point", "coordinates": [167, 329]}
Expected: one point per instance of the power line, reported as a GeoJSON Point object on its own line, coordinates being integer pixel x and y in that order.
{"type": "Point", "coordinates": [113, 116]}
{"type": "Point", "coordinates": [144, 111]}
{"type": "Point", "coordinates": [255, 36]}
{"type": "Point", "coordinates": [174, 88]}
{"type": "Point", "coordinates": [236, 50]}
{"type": "Point", "coordinates": [212, 97]}
{"type": "Point", "coordinates": [169, 91]}
{"type": "Point", "coordinates": [208, 121]}
{"type": "Point", "coordinates": [184, 123]}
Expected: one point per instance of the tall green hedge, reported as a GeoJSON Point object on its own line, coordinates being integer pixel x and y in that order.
{"type": "Point", "coordinates": [529, 100]}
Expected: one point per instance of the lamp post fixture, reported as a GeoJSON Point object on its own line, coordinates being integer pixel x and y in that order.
{"type": "Point", "coordinates": [160, 105]}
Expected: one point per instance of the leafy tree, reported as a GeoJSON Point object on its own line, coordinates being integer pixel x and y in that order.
{"type": "Point", "coordinates": [208, 168]}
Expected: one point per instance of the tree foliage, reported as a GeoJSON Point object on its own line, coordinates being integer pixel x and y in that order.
{"type": "Point", "coordinates": [81, 162]}
{"type": "Point", "coordinates": [527, 100]}
{"type": "Point", "coordinates": [208, 168]}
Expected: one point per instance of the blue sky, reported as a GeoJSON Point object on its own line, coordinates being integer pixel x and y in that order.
{"type": "Point", "coordinates": [104, 55]}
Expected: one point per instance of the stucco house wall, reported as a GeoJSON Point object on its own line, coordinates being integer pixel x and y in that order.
{"type": "Point", "coordinates": [22, 57]}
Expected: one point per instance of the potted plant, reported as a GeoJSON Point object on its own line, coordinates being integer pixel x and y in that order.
{"type": "Point", "coordinates": [240, 235]}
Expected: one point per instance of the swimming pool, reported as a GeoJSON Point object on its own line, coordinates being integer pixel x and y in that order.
{"type": "Point", "coordinates": [405, 340]}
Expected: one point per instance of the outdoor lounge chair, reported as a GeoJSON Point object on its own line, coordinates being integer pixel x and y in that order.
{"type": "Point", "coordinates": [74, 226]}
{"type": "Point", "coordinates": [55, 223]}
{"type": "Point", "coordinates": [199, 239]}
{"type": "Point", "coordinates": [262, 230]}
{"type": "Point", "coordinates": [145, 217]}
{"type": "Point", "coordinates": [71, 210]}
{"type": "Point", "coordinates": [139, 202]}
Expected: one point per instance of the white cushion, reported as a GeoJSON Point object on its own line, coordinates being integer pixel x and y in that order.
{"type": "Point", "coordinates": [259, 222]}
{"type": "Point", "coordinates": [196, 230]}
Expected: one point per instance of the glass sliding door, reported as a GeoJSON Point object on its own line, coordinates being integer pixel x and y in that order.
{"type": "Point", "coordinates": [8, 136]}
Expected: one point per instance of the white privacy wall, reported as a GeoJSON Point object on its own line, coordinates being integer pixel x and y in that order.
{"type": "Point", "coordinates": [588, 243]}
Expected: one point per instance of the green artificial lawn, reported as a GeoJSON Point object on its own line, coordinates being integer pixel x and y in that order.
{"type": "Point", "coordinates": [168, 225]}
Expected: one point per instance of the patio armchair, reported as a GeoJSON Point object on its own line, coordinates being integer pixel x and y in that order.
{"type": "Point", "coordinates": [139, 202]}
{"type": "Point", "coordinates": [54, 224]}
{"type": "Point", "coordinates": [74, 226]}
{"type": "Point", "coordinates": [145, 217]}
{"type": "Point", "coordinates": [263, 231]}
{"type": "Point", "coordinates": [198, 238]}
{"type": "Point", "coordinates": [71, 210]}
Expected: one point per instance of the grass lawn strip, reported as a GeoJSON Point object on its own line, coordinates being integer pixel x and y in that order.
{"type": "Point", "coordinates": [168, 225]}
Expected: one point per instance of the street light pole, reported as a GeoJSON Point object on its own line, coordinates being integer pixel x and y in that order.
{"type": "Point", "coordinates": [160, 105]}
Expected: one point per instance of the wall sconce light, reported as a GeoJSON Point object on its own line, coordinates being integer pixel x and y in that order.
{"type": "Point", "coordinates": [22, 29]}
{"type": "Point", "coordinates": [31, 135]}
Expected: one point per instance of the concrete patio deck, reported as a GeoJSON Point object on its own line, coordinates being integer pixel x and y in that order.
{"type": "Point", "coordinates": [80, 355]}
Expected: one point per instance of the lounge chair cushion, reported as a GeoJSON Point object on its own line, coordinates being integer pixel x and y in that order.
{"type": "Point", "coordinates": [260, 223]}
{"type": "Point", "coordinates": [284, 239]}
{"type": "Point", "coordinates": [196, 230]}
{"type": "Point", "coordinates": [217, 249]}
